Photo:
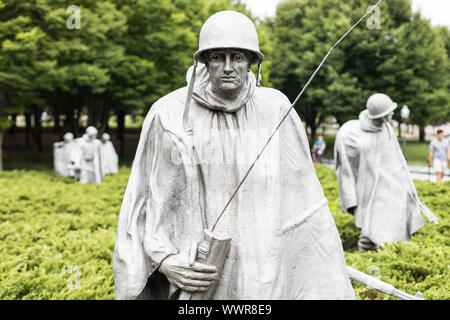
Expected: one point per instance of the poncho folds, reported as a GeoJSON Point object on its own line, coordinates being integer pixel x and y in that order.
{"type": "Point", "coordinates": [373, 176]}
{"type": "Point", "coordinates": [109, 157]}
{"type": "Point", "coordinates": [285, 244]}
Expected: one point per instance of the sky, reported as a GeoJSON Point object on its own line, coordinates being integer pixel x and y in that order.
{"type": "Point", "coordinates": [438, 11]}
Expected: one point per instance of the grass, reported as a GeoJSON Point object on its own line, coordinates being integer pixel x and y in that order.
{"type": "Point", "coordinates": [417, 153]}
{"type": "Point", "coordinates": [58, 239]}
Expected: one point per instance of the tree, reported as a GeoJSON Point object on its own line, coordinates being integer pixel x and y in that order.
{"type": "Point", "coordinates": [126, 55]}
{"type": "Point", "coordinates": [403, 58]}
{"type": "Point", "coordinates": [304, 30]}
{"type": "Point", "coordinates": [20, 66]}
{"type": "Point", "coordinates": [419, 71]}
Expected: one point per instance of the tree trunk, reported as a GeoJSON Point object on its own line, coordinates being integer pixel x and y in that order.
{"type": "Point", "coordinates": [1, 149]}
{"type": "Point", "coordinates": [313, 134]}
{"type": "Point", "coordinates": [13, 128]}
{"type": "Point", "coordinates": [104, 117]}
{"type": "Point", "coordinates": [57, 127]}
{"type": "Point", "coordinates": [27, 128]}
{"type": "Point", "coordinates": [422, 134]}
{"type": "Point", "coordinates": [38, 128]}
{"type": "Point", "coordinates": [36, 134]}
{"type": "Point", "coordinates": [121, 131]}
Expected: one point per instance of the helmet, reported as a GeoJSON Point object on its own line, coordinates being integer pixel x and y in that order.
{"type": "Point", "coordinates": [380, 105]}
{"type": "Point", "coordinates": [105, 137]}
{"type": "Point", "coordinates": [68, 136]}
{"type": "Point", "coordinates": [228, 29]}
{"type": "Point", "coordinates": [91, 131]}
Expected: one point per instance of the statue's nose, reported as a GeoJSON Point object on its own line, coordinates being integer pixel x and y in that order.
{"type": "Point", "coordinates": [228, 68]}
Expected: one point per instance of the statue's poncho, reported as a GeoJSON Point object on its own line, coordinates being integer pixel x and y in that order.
{"type": "Point", "coordinates": [90, 163]}
{"type": "Point", "coordinates": [285, 244]}
{"type": "Point", "coordinates": [373, 176]}
{"type": "Point", "coordinates": [61, 158]}
{"type": "Point", "coordinates": [110, 160]}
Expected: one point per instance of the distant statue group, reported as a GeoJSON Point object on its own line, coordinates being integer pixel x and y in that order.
{"type": "Point", "coordinates": [87, 158]}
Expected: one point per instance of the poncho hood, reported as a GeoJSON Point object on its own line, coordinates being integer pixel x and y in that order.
{"type": "Point", "coordinates": [366, 123]}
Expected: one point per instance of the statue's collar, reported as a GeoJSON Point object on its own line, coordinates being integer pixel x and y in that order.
{"type": "Point", "coordinates": [367, 124]}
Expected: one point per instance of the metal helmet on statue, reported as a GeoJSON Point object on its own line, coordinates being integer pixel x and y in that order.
{"type": "Point", "coordinates": [229, 29]}
{"type": "Point", "coordinates": [380, 105]}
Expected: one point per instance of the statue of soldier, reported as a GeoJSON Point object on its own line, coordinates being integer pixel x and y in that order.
{"type": "Point", "coordinates": [61, 156]}
{"type": "Point", "coordinates": [195, 146]}
{"type": "Point", "coordinates": [374, 180]}
{"type": "Point", "coordinates": [110, 159]}
{"type": "Point", "coordinates": [89, 161]}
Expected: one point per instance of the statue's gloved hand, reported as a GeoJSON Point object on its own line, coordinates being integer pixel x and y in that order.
{"type": "Point", "coordinates": [190, 277]}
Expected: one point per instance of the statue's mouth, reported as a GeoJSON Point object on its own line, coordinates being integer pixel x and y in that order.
{"type": "Point", "coordinates": [228, 79]}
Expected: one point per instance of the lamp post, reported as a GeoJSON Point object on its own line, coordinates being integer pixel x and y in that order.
{"type": "Point", "coordinates": [405, 112]}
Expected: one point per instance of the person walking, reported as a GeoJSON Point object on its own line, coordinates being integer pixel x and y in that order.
{"type": "Point", "coordinates": [319, 149]}
{"type": "Point", "coordinates": [439, 155]}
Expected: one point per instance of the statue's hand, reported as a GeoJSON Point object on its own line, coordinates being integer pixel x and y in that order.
{"type": "Point", "coordinates": [195, 277]}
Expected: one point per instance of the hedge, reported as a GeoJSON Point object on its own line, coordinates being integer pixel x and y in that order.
{"type": "Point", "coordinates": [58, 239]}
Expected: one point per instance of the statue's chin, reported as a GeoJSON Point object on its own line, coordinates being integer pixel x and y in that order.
{"type": "Point", "coordinates": [228, 89]}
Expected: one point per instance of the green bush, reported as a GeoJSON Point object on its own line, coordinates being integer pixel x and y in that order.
{"type": "Point", "coordinates": [58, 239]}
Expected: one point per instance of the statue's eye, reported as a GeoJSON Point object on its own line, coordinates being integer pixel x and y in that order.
{"type": "Point", "coordinates": [216, 57]}
{"type": "Point", "coordinates": [237, 57]}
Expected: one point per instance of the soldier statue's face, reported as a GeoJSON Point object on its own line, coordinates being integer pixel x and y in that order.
{"type": "Point", "coordinates": [228, 71]}
{"type": "Point", "coordinates": [388, 118]}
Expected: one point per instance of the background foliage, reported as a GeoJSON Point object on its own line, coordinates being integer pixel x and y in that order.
{"type": "Point", "coordinates": [405, 58]}
{"type": "Point", "coordinates": [129, 53]}
{"type": "Point", "coordinates": [50, 239]}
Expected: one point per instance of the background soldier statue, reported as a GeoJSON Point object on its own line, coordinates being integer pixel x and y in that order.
{"type": "Point", "coordinates": [89, 157]}
{"type": "Point", "coordinates": [374, 180]}
{"type": "Point", "coordinates": [61, 156]}
{"type": "Point", "coordinates": [109, 157]}
{"type": "Point", "coordinates": [195, 146]}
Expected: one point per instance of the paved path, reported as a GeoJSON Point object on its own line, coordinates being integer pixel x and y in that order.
{"type": "Point", "coordinates": [417, 172]}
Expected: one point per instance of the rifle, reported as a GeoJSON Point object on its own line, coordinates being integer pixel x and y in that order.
{"type": "Point", "coordinates": [381, 285]}
{"type": "Point", "coordinates": [427, 212]}
{"type": "Point", "coordinates": [211, 249]}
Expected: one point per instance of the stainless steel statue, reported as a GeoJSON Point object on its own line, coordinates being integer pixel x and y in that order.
{"type": "Point", "coordinates": [195, 146]}
{"type": "Point", "coordinates": [88, 158]}
{"type": "Point", "coordinates": [374, 180]}
{"type": "Point", "coordinates": [109, 157]}
{"type": "Point", "coordinates": [62, 156]}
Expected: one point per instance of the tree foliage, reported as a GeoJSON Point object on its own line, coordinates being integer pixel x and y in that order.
{"type": "Point", "coordinates": [404, 58]}
{"type": "Point", "coordinates": [125, 55]}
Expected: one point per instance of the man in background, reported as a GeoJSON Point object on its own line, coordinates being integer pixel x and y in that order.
{"type": "Point", "coordinates": [439, 155]}
{"type": "Point", "coordinates": [319, 149]}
